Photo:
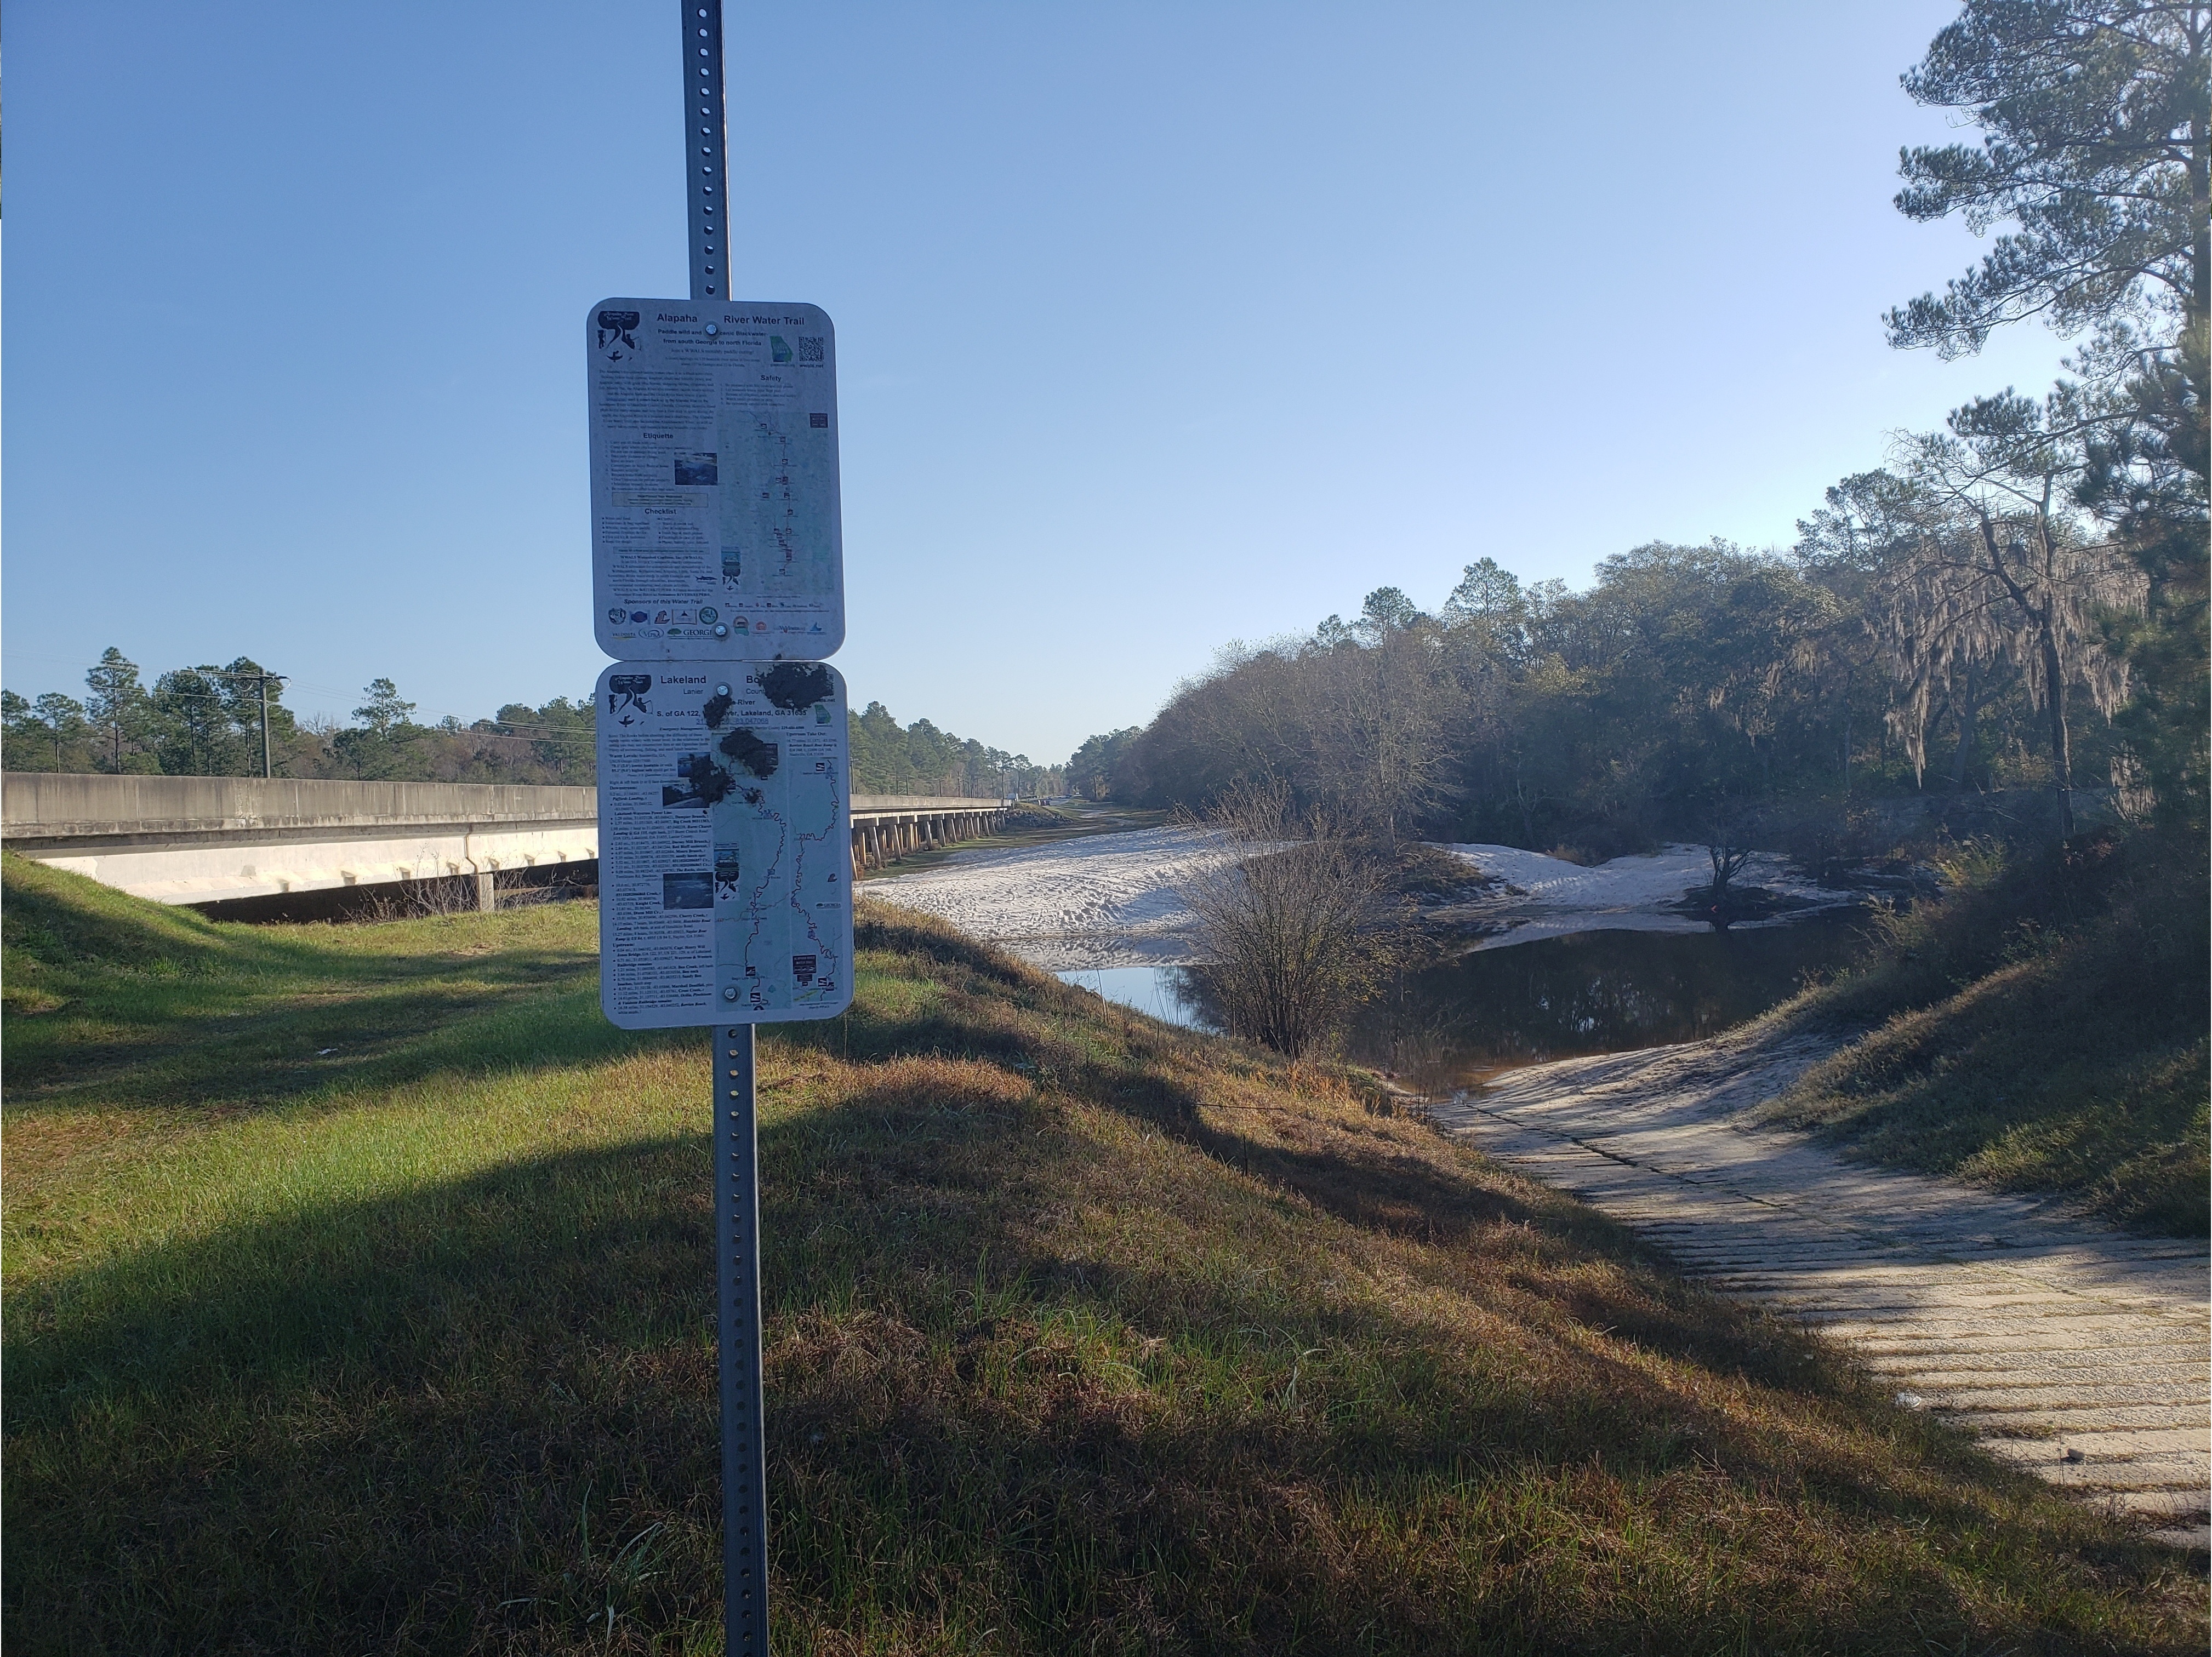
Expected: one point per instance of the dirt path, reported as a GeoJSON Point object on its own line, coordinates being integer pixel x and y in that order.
{"type": "Point", "coordinates": [2073, 1351]}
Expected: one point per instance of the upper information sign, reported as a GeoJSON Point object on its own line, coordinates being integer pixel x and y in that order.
{"type": "Point", "coordinates": [715, 528]}
{"type": "Point", "coordinates": [725, 872]}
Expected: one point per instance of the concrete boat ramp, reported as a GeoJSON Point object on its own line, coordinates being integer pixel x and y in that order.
{"type": "Point", "coordinates": [2071, 1349]}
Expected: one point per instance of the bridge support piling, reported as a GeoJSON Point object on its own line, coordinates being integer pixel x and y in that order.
{"type": "Point", "coordinates": [885, 830]}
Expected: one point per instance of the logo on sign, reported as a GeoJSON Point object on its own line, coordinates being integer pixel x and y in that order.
{"type": "Point", "coordinates": [619, 327]}
{"type": "Point", "coordinates": [626, 694]}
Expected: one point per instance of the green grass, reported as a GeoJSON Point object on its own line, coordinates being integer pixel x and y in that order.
{"type": "Point", "coordinates": [1083, 1334]}
{"type": "Point", "coordinates": [2043, 1030]}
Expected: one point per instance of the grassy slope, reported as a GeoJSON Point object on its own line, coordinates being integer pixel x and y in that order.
{"type": "Point", "coordinates": [2044, 1030]}
{"type": "Point", "coordinates": [1084, 1335]}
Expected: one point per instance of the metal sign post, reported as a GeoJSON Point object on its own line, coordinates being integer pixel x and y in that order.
{"type": "Point", "coordinates": [737, 1270]}
{"type": "Point", "coordinates": [706, 141]}
{"type": "Point", "coordinates": [716, 529]}
{"type": "Point", "coordinates": [737, 1167]}
{"type": "Point", "coordinates": [725, 901]}
{"type": "Point", "coordinates": [724, 785]}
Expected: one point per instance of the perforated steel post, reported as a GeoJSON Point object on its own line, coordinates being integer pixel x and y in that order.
{"type": "Point", "coordinates": [705, 149]}
{"type": "Point", "coordinates": [737, 1180]}
{"type": "Point", "coordinates": [737, 1257]}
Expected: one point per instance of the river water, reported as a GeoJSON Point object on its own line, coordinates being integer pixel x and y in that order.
{"type": "Point", "coordinates": [1575, 960]}
{"type": "Point", "coordinates": [1553, 997]}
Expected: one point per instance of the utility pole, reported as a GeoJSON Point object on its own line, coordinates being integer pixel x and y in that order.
{"type": "Point", "coordinates": [264, 679]}
{"type": "Point", "coordinates": [261, 677]}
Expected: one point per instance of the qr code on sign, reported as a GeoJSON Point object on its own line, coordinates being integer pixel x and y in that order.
{"type": "Point", "coordinates": [809, 348]}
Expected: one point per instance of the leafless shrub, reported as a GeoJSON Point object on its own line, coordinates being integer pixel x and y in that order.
{"type": "Point", "coordinates": [416, 900]}
{"type": "Point", "coordinates": [1730, 824]}
{"type": "Point", "coordinates": [1298, 918]}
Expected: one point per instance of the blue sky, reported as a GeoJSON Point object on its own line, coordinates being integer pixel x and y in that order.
{"type": "Point", "coordinates": [1158, 325]}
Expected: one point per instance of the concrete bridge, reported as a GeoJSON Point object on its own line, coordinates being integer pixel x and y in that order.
{"type": "Point", "coordinates": [885, 827]}
{"type": "Point", "coordinates": [213, 840]}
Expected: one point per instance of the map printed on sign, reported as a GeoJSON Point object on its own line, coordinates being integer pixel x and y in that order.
{"type": "Point", "coordinates": [716, 529]}
{"type": "Point", "coordinates": [725, 843]}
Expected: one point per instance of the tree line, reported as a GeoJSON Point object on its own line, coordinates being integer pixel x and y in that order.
{"type": "Point", "coordinates": [210, 721]}
{"type": "Point", "coordinates": [2015, 601]}
{"type": "Point", "coordinates": [920, 758]}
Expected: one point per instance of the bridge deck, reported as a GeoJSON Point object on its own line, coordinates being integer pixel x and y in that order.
{"type": "Point", "coordinates": [202, 840]}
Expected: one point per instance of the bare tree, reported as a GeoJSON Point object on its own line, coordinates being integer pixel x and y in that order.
{"type": "Point", "coordinates": [1730, 823]}
{"type": "Point", "coordinates": [1382, 713]}
{"type": "Point", "coordinates": [1296, 918]}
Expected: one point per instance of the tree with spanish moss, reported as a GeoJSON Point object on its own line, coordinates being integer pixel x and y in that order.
{"type": "Point", "coordinates": [2001, 566]}
{"type": "Point", "coordinates": [2096, 149]}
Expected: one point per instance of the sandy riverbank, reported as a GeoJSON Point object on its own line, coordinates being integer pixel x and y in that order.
{"type": "Point", "coordinates": [1111, 899]}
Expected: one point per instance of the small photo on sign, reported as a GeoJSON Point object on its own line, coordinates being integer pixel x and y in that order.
{"type": "Point", "coordinates": [688, 891]}
{"type": "Point", "coordinates": [694, 469]}
{"type": "Point", "coordinates": [704, 783]}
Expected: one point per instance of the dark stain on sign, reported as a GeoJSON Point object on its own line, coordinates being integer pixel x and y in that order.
{"type": "Point", "coordinates": [792, 686]}
{"type": "Point", "coordinates": [709, 781]}
{"type": "Point", "coordinates": [756, 756]}
{"type": "Point", "coordinates": [717, 709]}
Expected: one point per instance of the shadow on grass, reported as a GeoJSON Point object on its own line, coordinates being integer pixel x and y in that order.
{"type": "Point", "coordinates": [482, 1416]}
{"type": "Point", "coordinates": [1373, 1186]}
{"type": "Point", "coordinates": [1061, 1355]}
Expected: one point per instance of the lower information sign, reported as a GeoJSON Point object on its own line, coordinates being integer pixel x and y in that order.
{"type": "Point", "coordinates": [725, 843]}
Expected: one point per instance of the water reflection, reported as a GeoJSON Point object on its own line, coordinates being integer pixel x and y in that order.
{"type": "Point", "coordinates": [1590, 992]}
{"type": "Point", "coordinates": [1163, 991]}
{"type": "Point", "coordinates": [1553, 999]}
